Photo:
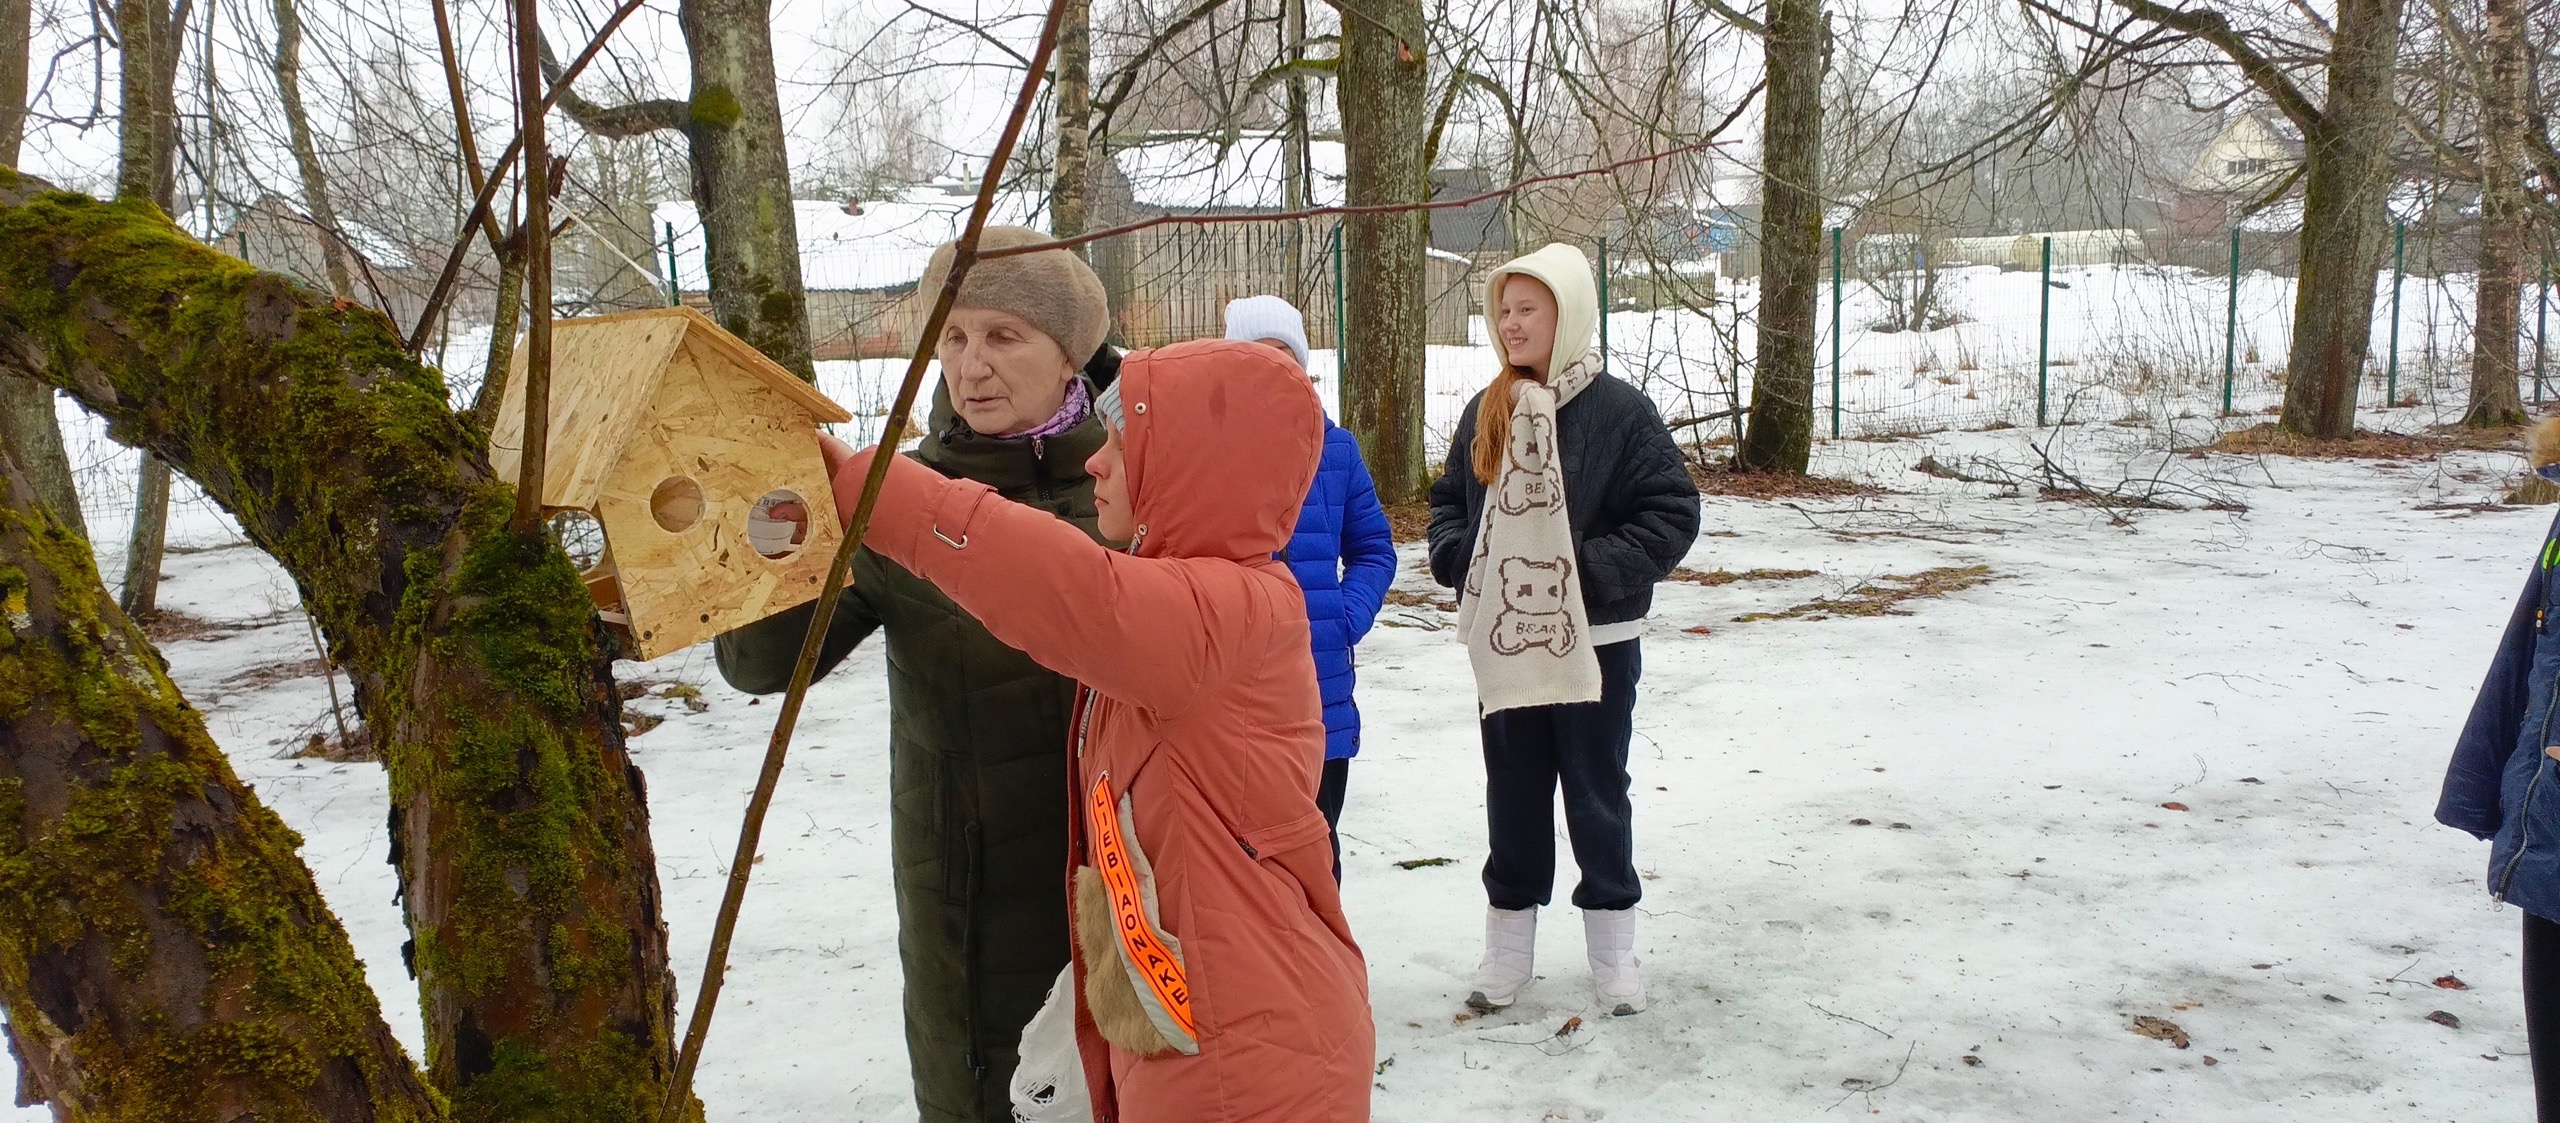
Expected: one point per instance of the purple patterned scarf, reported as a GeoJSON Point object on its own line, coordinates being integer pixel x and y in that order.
{"type": "Point", "coordinates": [1071, 413]}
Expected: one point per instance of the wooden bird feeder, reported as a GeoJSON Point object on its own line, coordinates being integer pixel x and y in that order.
{"type": "Point", "coordinates": [668, 434]}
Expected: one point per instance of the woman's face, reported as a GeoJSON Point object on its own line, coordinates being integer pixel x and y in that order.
{"type": "Point", "coordinates": [1525, 319]}
{"type": "Point", "coordinates": [1005, 376]}
{"type": "Point", "coordinates": [1113, 515]}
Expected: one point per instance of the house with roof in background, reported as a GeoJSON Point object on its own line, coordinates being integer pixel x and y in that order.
{"type": "Point", "coordinates": [2253, 157]}
{"type": "Point", "coordinates": [1173, 282]}
{"type": "Point", "coordinates": [860, 260]}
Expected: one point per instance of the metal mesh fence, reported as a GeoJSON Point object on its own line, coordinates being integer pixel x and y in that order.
{"type": "Point", "coordinates": [1957, 333]}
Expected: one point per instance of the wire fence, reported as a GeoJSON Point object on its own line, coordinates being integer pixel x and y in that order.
{"type": "Point", "coordinates": [1914, 336]}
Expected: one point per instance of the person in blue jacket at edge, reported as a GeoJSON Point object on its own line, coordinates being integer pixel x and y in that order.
{"type": "Point", "coordinates": [2504, 785]}
{"type": "Point", "coordinates": [1343, 554]}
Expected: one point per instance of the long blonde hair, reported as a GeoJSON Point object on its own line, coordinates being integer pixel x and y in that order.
{"type": "Point", "coordinates": [1493, 423]}
{"type": "Point", "coordinates": [1493, 415]}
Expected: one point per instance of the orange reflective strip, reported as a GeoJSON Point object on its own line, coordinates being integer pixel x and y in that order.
{"type": "Point", "coordinates": [1156, 962]}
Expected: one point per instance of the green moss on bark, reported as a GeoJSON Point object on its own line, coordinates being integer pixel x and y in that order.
{"type": "Point", "coordinates": [161, 943]}
{"type": "Point", "coordinates": [530, 881]}
{"type": "Point", "coordinates": [716, 106]}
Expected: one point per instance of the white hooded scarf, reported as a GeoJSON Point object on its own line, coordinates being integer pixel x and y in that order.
{"type": "Point", "coordinates": [1527, 632]}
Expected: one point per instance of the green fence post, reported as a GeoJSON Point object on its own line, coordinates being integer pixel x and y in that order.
{"type": "Point", "coordinates": [2044, 326]}
{"type": "Point", "coordinates": [1835, 332]}
{"type": "Point", "coordinates": [675, 293]}
{"type": "Point", "coordinates": [1341, 347]}
{"type": "Point", "coordinates": [2399, 270]}
{"type": "Point", "coordinates": [1604, 303]}
{"type": "Point", "coordinates": [2231, 326]}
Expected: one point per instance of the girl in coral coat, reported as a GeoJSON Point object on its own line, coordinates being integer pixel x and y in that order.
{"type": "Point", "coordinates": [1217, 979]}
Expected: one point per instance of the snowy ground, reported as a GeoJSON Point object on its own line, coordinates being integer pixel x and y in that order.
{"type": "Point", "coordinates": [2292, 676]}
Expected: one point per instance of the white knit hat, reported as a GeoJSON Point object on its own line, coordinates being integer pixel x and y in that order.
{"type": "Point", "coordinates": [1253, 319]}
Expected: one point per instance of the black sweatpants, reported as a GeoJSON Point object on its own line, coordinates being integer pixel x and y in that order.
{"type": "Point", "coordinates": [2542, 1013]}
{"type": "Point", "coordinates": [1583, 746]}
{"type": "Point", "coordinates": [1329, 791]}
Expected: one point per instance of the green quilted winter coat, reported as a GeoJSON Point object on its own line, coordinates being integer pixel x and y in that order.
{"type": "Point", "coordinates": [977, 780]}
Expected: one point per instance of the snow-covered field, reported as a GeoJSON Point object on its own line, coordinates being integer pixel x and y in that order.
{"type": "Point", "coordinates": [1914, 867]}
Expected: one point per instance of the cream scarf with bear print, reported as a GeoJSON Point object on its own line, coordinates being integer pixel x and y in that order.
{"type": "Point", "coordinates": [1522, 616]}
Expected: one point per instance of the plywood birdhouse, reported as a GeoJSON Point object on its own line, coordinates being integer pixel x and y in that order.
{"type": "Point", "coordinates": [669, 437]}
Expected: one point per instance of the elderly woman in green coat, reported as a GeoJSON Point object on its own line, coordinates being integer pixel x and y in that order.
{"type": "Point", "coordinates": [978, 732]}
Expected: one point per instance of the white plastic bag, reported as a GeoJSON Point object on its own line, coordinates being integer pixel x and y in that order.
{"type": "Point", "coordinates": [1048, 1085]}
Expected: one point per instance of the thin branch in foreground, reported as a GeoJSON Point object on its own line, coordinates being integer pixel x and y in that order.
{"type": "Point", "coordinates": [964, 255]}
{"type": "Point", "coordinates": [1370, 209]}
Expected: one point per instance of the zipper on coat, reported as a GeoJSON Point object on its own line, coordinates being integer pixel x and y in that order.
{"type": "Point", "coordinates": [1040, 469]}
{"type": "Point", "coordinates": [1085, 699]}
{"type": "Point", "coordinates": [969, 961]}
{"type": "Point", "coordinates": [2524, 809]}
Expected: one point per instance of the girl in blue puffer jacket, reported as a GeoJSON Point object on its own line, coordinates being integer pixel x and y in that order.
{"type": "Point", "coordinates": [1343, 554]}
{"type": "Point", "coordinates": [2504, 785]}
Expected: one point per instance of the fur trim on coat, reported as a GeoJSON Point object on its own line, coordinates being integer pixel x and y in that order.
{"type": "Point", "coordinates": [1110, 995]}
{"type": "Point", "coordinates": [2543, 444]}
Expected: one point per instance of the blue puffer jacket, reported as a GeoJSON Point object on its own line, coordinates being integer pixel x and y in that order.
{"type": "Point", "coordinates": [2504, 784]}
{"type": "Point", "coordinates": [1345, 558]}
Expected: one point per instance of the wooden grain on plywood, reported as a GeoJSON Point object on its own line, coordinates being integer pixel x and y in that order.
{"type": "Point", "coordinates": [604, 370]}
{"type": "Point", "coordinates": [736, 440]}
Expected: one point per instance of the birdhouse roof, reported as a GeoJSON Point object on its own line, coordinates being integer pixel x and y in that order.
{"type": "Point", "coordinates": [605, 373]}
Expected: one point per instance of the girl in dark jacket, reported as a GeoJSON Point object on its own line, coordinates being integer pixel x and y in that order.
{"type": "Point", "coordinates": [2504, 786]}
{"type": "Point", "coordinates": [1564, 501]}
{"type": "Point", "coordinates": [977, 730]}
{"type": "Point", "coordinates": [1343, 554]}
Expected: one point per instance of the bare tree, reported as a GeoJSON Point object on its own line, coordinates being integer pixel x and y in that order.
{"type": "Point", "coordinates": [741, 172]}
{"type": "Point", "coordinates": [1072, 95]}
{"type": "Point", "coordinates": [306, 153]}
{"type": "Point", "coordinates": [2347, 174]}
{"type": "Point", "coordinates": [29, 429]}
{"type": "Point", "coordinates": [1383, 91]}
{"type": "Point", "coordinates": [1780, 434]}
{"type": "Point", "coordinates": [151, 33]}
{"type": "Point", "coordinates": [2494, 399]}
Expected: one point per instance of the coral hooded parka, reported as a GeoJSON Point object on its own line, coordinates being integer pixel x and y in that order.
{"type": "Point", "coordinates": [1201, 728]}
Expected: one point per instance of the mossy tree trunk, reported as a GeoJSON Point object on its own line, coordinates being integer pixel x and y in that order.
{"type": "Point", "coordinates": [164, 954]}
{"type": "Point", "coordinates": [2347, 173]}
{"type": "Point", "coordinates": [2346, 229]}
{"type": "Point", "coordinates": [29, 431]}
{"type": "Point", "coordinates": [519, 825]}
{"type": "Point", "coordinates": [1073, 97]}
{"type": "Point", "coordinates": [1384, 91]}
{"type": "Point", "coordinates": [741, 174]}
{"type": "Point", "coordinates": [1779, 436]}
{"type": "Point", "coordinates": [2495, 403]}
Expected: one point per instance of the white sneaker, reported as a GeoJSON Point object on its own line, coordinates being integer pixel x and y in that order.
{"type": "Point", "coordinates": [1611, 937]}
{"type": "Point", "coordinates": [1510, 954]}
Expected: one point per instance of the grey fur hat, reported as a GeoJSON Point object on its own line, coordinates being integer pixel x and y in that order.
{"type": "Point", "coordinates": [1052, 289]}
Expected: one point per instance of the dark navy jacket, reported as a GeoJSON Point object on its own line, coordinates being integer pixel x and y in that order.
{"type": "Point", "coordinates": [1627, 492]}
{"type": "Point", "coordinates": [2502, 785]}
{"type": "Point", "coordinates": [1345, 558]}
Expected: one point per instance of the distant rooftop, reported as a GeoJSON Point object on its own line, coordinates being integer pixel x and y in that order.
{"type": "Point", "coordinates": [886, 245]}
{"type": "Point", "coordinates": [1193, 174]}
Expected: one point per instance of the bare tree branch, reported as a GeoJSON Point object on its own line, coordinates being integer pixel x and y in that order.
{"type": "Point", "coordinates": [2215, 28]}
{"type": "Point", "coordinates": [629, 119]}
{"type": "Point", "coordinates": [1734, 16]}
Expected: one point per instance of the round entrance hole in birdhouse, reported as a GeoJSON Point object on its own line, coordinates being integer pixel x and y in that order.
{"type": "Point", "coordinates": [580, 536]}
{"type": "Point", "coordinates": [778, 536]}
{"type": "Point", "coordinates": [676, 504]}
